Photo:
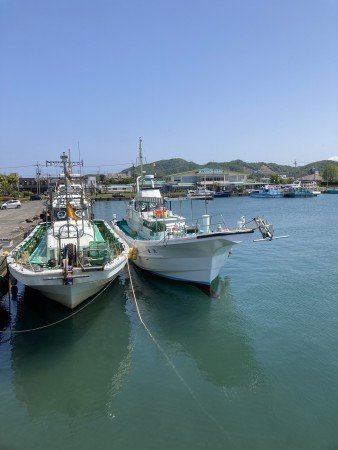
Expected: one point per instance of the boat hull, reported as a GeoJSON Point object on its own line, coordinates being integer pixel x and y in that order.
{"type": "Point", "coordinates": [51, 283]}
{"type": "Point", "coordinates": [269, 195]}
{"type": "Point", "coordinates": [222, 194]}
{"type": "Point", "coordinates": [197, 259]}
{"type": "Point", "coordinates": [300, 194]}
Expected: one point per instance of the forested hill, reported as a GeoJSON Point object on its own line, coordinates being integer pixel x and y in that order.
{"type": "Point", "coordinates": [177, 165]}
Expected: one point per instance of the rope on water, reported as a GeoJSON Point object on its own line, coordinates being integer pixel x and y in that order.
{"type": "Point", "coordinates": [172, 365]}
{"type": "Point", "coordinates": [29, 330]}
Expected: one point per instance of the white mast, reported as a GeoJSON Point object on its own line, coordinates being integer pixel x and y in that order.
{"type": "Point", "coordinates": [140, 156]}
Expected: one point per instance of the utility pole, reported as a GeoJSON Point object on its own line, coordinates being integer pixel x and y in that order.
{"type": "Point", "coordinates": [38, 173]}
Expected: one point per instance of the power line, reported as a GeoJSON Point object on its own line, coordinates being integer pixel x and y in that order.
{"type": "Point", "coordinates": [34, 165]}
{"type": "Point", "coordinates": [17, 167]}
{"type": "Point", "coordinates": [109, 165]}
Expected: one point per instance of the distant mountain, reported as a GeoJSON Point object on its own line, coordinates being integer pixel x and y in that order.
{"type": "Point", "coordinates": [167, 167]}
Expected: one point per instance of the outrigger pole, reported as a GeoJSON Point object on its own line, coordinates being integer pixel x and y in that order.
{"type": "Point", "coordinates": [266, 230]}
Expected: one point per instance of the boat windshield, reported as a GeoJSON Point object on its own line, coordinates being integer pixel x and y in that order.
{"type": "Point", "coordinates": [149, 205]}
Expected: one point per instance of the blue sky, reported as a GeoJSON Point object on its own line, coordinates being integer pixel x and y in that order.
{"type": "Point", "coordinates": [211, 80]}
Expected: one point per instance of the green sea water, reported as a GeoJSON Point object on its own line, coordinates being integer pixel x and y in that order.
{"type": "Point", "coordinates": [255, 369]}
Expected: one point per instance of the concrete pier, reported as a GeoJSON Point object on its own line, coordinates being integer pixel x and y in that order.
{"type": "Point", "coordinates": [14, 227]}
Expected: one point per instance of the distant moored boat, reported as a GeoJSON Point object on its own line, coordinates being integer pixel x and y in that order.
{"type": "Point", "coordinates": [268, 191]}
{"type": "Point", "coordinates": [222, 194]}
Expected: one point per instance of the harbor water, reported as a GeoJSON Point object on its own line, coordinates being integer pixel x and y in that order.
{"type": "Point", "coordinates": [152, 364]}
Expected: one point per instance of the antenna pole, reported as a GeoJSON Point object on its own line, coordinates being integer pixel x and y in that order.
{"type": "Point", "coordinates": [140, 156]}
{"type": "Point", "coordinates": [64, 158]}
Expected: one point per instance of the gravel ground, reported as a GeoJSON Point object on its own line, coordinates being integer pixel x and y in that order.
{"type": "Point", "coordinates": [14, 227]}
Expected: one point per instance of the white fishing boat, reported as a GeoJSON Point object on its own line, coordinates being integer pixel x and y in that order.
{"type": "Point", "coordinates": [200, 194]}
{"type": "Point", "coordinates": [298, 189]}
{"type": "Point", "coordinates": [70, 256]}
{"type": "Point", "coordinates": [163, 243]}
{"type": "Point", "coordinates": [269, 191]}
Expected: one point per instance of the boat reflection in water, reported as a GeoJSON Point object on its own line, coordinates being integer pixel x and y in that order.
{"type": "Point", "coordinates": [186, 322]}
{"type": "Point", "coordinates": [77, 366]}
{"type": "Point", "coordinates": [5, 320]}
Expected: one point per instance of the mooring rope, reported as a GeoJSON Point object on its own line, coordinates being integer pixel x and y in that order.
{"type": "Point", "coordinates": [29, 330]}
{"type": "Point", "coordinates": [172, 365]}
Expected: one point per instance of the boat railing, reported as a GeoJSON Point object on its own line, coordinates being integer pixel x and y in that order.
{"type": "Point", "coordinates": [205, 224]}
{"type": "Point", "coordinates": [31, 246]}
{"type": "Point", "coordinates": [215, 223]}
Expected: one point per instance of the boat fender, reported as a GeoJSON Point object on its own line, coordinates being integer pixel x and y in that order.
{"type": "Point", "coordinates": [133, 253]}
{"type": "Point", "coordinates": [25, 257]}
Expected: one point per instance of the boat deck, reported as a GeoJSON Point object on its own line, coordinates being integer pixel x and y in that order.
{"type": "Point", "coordinates": [122, 224]}
{"type": "Point", "coordinates": [39, 255]}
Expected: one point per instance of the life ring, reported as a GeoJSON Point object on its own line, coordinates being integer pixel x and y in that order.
{"type": "Point", "coordinates": [61, 214]}
{"type": "Point", "coordinates": [79, 213]}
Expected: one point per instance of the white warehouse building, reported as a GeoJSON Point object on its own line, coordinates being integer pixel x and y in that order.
{"type": "Point", "coordinates": [209, 177]}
